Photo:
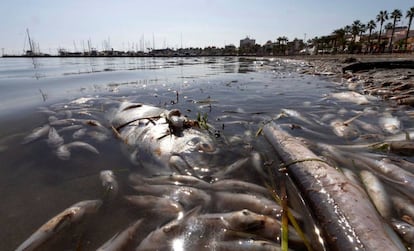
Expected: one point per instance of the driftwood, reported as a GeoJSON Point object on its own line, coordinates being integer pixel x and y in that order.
{"type": "Point", "coordinates": [362, 66]}
{"type": "Point", "coordinates": [342, 209]}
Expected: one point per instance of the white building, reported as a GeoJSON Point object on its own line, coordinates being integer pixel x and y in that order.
{"type": "Point", "coordinates": [247, 42]}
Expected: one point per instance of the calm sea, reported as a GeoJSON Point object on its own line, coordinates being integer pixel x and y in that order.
{"type": "Point", "coordinates": [237, 95]}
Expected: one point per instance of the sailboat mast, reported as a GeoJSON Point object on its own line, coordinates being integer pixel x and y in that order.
{"type": "Point", "coordinates": [30, 41]}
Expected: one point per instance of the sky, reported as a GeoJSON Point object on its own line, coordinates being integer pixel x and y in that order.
{"type": "Point", "coordinates": [137, 24]}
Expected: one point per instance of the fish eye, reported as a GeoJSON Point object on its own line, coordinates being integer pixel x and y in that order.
{"type": "Point", "coordinates": [245, 212]}
{"type": "Point", "coordinates": [206, 147]}
{"type": "Point", "coordinates": [194, 141]}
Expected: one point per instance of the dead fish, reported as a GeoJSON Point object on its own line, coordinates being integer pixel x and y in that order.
{"type": "Point", "coordinates": [153, 138]}
{"type": "Point", "coordinates": [227, 171]}
{"type": "Point", "coordinates": [245, 245]}
{"type": "Point", "coordinates": [401, 177]}
{"type": "Point", "coordinates": [294, 114]}
{"type": "Point", "coordinates": [187, 196]}
{"type": "Point", "coordinates": [406, 134]}
{"type": "Point", "coordinates": [377, 193]}
{"type": "Point", "coordinates": [407, 165]}
{"type": "Point", "coordinates": [390, 124]}
{"type": "Point", "coordinates": [52, 118]}
{"type": "Point", "coordinates": [63, 122]}
{"type": "Point", "coordinates": [368, 127]}
{"type": "Point", "coordinates": [404, 147]}
{"type": "Point", "coordinates": [82, 100]}
{"type": "Point", "coordinates": [109, 183]}
{"type": "Point", "coordinates": [329, 193]}
{"type": "Point", "coordinates": [36, 134]}
{"type": "Point", "coordinates": [232, 185]}
{"type": "Point", "coordinates": [63, 151]}
{"type": "Point", "coordinates": [70, 128]}
{"type": "Point", "coordinates": [248, 222]}
{"type": "Point", "coordinates": [405, 230]}
{"type": "Point", "coordinates": [162, 238]}
{"type": "Point", "coordinates": [351, 176]}
{"type": "Point", "coordinates": [344, 130]}
{"type": "Point", "coordinates": [54, 139]}
{"type": "Point", "coordinates": [79, 133]}
{"type": "Point", "coordinates": [233, 201]}
{"type": "Point", "coordinates": [98, 136]}
{"type": "Point", "coordinates": [70, 215]}
{"type": "Point", "coordinates": [123, 239]}
{"type": "Point", "coordinates": [351, 96]}
{"type": "Point", "coordinates": [163, 206]}
{"type": "Point", "coordinates": [403, 206]}
{"type": "Point", "coordinates": [173, 179]}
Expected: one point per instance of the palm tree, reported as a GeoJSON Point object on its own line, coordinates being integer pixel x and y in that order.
{"type": "Point", "coordinates": [355, 29]}
{"type": "Point", "coordinates": [388, 26]}
{"type": "Point", "coordinates": [410, 15]}
{"type": "Point", "coordinates": [396, 15]}
{"type": "Point", "coordinates": [339, 38]}
{"type": "Point", "coordinates": [381, 17]}
{"type": "Point", "coordinates": [370, 26]}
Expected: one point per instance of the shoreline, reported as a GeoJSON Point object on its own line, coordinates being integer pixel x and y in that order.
{"type": "Point", "coordinates": [382, 56]}
{"type": "Point", "coordinates": [386, 76]}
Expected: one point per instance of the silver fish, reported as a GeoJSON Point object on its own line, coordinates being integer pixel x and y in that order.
{"type": "Point", "coordinates": [63, 122]}
{"type": "Point", "coordinates": [403, 206]}
{"type": "Point", "coordinates": [296, 115]}
{"type": "Point", "coordinates": [344, 130]}
{"type": "Point", "coordinates": [351, 96]}
{"type": "Point", "coordinates": [79, 133]}
{"type": "Point", "coordinates": [63, 151]}
{"type": "Point", "coordinates": [70, 215]}
{"type": "Point", "coordinates": [390, 124]}
{"type": "Point", "coordinates": [109, 183]}
{"type": "Point", "coordinates": [330, 194]}
{"type": "Point", "coordinates": [405, 230]}
{"type": "Point", "coordinates": [173, 179]}
{"type": "Point", "coordinates": [232, 185]}
{"type": "Point", "coordinates": [161, 205]}
{"type": "Point", "coordinates": [155, 140]}
{"type": "Point", "coordinates": [123, 239]}
{"type": "Point", "coordinates": [402, 178]}
{"type": "Point", "coordinates": [162, 238]}
{"type": "Point", "coordinates": [377, 193]}
{"type": "Point", "coordinates": [258, 204]}
{"type": "Point", "coordinates": [245, 245]}
{"type": "Point", "coordinates": [70, 128]}
{"type": "Point", "coordinates": [54, 139]}
{"type": "Point", "coordinates": [36, 134]}
{"type": "Point", "coordinates": [98, 136]}
{"type": "Point", "coordinates": [248, 222]}
{"type": "Point", "coordinates": [187, 196]}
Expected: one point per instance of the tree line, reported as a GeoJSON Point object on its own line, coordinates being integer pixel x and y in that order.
{"type": "Point", "coordinates": [344, 40]}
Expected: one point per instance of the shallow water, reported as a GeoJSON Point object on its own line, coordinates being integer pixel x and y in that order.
{"type": "Point", "coordinates": [237, 95]}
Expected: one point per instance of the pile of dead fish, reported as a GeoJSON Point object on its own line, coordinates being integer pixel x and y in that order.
{"type": "Point", "coordinates": [76, 121]}
{"type": "Point", "coordinates": [223, 215]}
{"type": "Point", "coordinates": [373, 148]}
{"type": "Point", "coordinates": [387, 79]}
{"type": "Point", "coordinates": [193, 214]}
{"type": "Point", "coordinates": [394, 88]}
{"type": "Point", "coordinates": [212, 216]}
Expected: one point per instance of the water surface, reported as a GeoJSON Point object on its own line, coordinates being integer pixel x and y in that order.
{"type": "Point", "coordinates": [237, 95]}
